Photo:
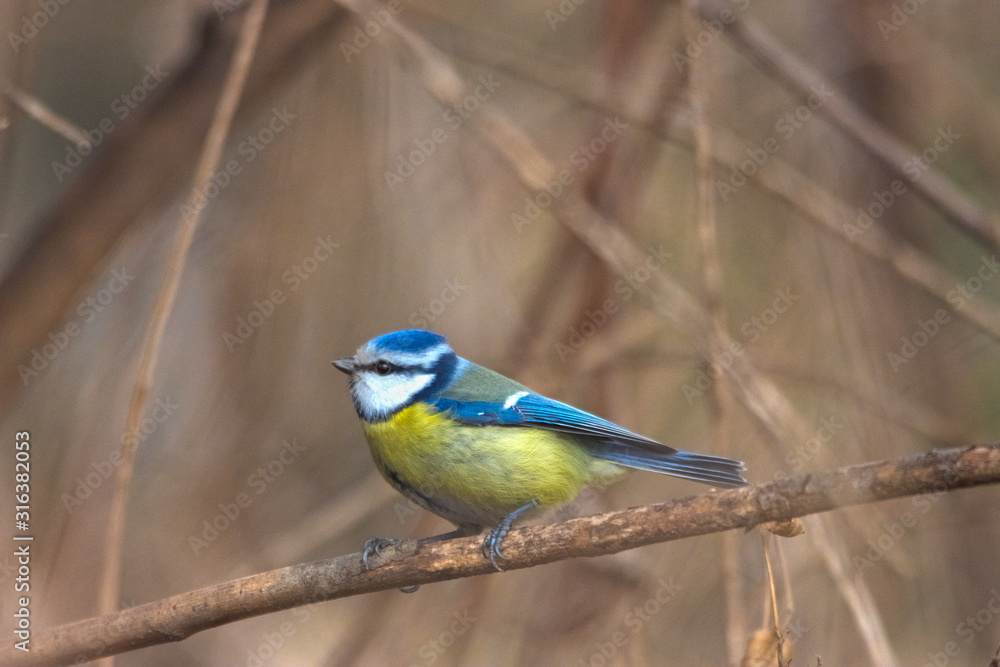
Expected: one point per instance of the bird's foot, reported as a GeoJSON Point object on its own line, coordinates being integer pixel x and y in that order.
{"type": "Point", "coordinates": [492, 541]}
{"type": "Point", "coordinates": [374, 547]}
{"type": "Point", "coordinates": [494, 538]}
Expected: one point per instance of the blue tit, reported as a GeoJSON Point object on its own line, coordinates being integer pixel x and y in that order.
{"type": "Point", "coordinates": [480, 449]}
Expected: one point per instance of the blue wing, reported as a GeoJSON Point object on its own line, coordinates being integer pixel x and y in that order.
{"type": "Point", "coordinates": [604, 439]}
{"type": "Point", "coordinates": [535, 410]}
{"type": "Point", "coordinates": [538, 411]}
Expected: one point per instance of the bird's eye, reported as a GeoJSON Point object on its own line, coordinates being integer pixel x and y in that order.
{"type": "Point", "coordinates": [383, 367]}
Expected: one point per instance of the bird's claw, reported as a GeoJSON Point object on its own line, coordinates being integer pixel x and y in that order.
{"type": "Point", "coordinates": [493, 539]}
{"type": "Point", "coordinates": [374, 546]}
{"type": "Point", "coordinates": [492, 542]}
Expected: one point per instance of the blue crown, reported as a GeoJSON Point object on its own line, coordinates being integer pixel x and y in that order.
{"type": "Point", "coordinates": [408, 340]}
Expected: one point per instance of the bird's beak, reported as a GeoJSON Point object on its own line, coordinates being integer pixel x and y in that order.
{"type": "Point", "coordinates": [346, 365]}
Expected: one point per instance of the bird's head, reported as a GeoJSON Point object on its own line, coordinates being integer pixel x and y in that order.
{"type": "Point", "coordinates": [396, 370]}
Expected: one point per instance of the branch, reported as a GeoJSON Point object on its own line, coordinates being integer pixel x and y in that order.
{"type": "Point", "coordinates": [138, 167]}
{"type": "Point", "coordinates": [820, 205]}
{"type": "Point", "coordinates": [178, 617]}
{"type": "Point", "coordinates": [960, 209]}
{"type": "Point", "coordinates": [166, 297]}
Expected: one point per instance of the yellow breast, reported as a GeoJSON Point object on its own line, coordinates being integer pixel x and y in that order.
{"type": "Point", "coordinates": [496, 469]}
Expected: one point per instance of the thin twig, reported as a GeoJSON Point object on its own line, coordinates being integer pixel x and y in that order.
{"type": "Point", "coordinates": [48, 118]}
{"type": "Point", "coordinates": [778, 634]}
{"type": "Point", "coordinates": [708, 238]}
{"type": "Point", "coordinates": [191, 215]}
{"type": "Point", "coordinates": [858, 598]}
{"type": "Point", "coordinates": [808, 196]}
{"type": "Point", "coordinates": [933, 186]}
{"type": "Point", "coordinates": [822, 206]}
{"type": "Point", "coordinates": [180, 616]}
{"type": "Point", "coordinates": [138, 168]}
{"type": "Point", "coordinates": [785, 576]}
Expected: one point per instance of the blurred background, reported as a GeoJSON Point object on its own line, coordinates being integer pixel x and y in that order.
{"type": "Point", "coordinates": [350, 201]}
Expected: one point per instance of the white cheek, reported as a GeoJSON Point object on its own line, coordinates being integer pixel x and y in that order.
{"type": "Point", "coordinates": [381, 395]}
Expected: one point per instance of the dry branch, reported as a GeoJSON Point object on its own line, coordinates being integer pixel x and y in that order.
{"type": "Point", "coordinates": [48, 118]}
{"type": "Point", "coordinates": [178, 617]}
{"type": "Point", "coordinates": [818, 204]}
{"type": "Point", "coordinates": [222, 121]}
{"type": "Point", "coordinates": [960, 209]}
{"type": "Point", "coordinates": [138, 168]}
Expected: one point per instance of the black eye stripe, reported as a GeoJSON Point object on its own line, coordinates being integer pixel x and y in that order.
{"type": "Point", "coordinates": [395, 368]}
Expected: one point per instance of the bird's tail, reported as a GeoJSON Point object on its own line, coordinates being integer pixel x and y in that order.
{"type": "Point", "coordinates": [704, 468]}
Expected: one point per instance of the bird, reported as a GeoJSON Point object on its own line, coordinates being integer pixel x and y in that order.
{"type": "Point", "coordinates": [481, 450]}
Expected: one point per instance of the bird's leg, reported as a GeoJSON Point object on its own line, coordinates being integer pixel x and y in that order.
{"type": "Point", "coordinates": [444, 536]}
{"type": "Point", "coordinates": [493, 539]}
